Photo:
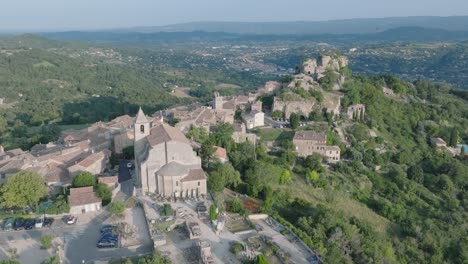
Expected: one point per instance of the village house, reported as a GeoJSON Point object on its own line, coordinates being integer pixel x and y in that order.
{"type": "Point", "coordinates": [221, 154]}
{"type": "Point", "coordinates": [94, 164]}
{"type": "Point", "coordinates": [240, 134]}
{"type": "Point", "coordinates": [253, 119]}
{"type": "Point", "coordinates": [310, 142]}
{"type": "Point", "coordinates": [165, 162]}
{"type": "Point", "coordinates": [122, 141]}
{"type": "Point", "coordinates": [83, 200]}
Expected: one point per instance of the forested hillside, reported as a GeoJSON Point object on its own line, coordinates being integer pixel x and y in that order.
{"type": "Point", "coordinates": [394, 198]}
{"type": "Point", "coordinates": [47, 83]}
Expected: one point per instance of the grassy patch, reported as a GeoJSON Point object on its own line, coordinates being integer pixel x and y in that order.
{"type": "Point", "coordinates": [274, 134]}
{"type": "Point", "coordinates": [44, 64]}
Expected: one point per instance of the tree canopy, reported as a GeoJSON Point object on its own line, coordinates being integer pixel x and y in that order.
{"type": "Point", "coordinates": [23, 189]}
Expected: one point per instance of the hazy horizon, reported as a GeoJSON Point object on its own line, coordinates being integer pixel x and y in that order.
{"type": "Point", "coordinates": [49, 15]}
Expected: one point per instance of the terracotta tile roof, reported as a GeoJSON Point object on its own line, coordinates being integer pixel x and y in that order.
{"type": "Point", "coordinates": [163, 133]}
{"type": "Point", "coordinates": [194, 175]}
{"type": "Point", "coordinates": [310, 135]}
{"type": "Point", "coordinates": [122, 121]}
{"type": "Point", "coordinates": [220, 152]}
{"type": "Point", "coordinates": [93, 158]}
{"type": "Point", "coordinates": [82, 196]}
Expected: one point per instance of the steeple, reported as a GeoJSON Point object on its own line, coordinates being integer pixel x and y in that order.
{"type": "Point", "coordinates": [141, 118]}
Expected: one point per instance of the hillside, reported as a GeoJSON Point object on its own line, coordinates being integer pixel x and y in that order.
{"type": "Point", "coordinates": [348, 26]}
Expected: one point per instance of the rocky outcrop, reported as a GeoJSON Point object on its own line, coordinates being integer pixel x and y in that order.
{"type": "Point", "coordinates": [317, 69]}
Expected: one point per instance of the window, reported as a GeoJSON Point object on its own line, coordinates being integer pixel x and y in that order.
{"type": "Point", "coordinates": [142, 128]}
{"type": "Point", "coordinates": [177, 183]}
{"type": "Point", "coordinates": [198, 183]}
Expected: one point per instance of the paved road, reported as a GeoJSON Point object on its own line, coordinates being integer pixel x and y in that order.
{"type": "Point", "coordinates": [125, 179]}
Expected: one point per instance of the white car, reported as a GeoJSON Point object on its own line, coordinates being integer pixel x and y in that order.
{"type": "Point", "coordinates": [129, 165]}
{"type": "Point", "coordinates": [39, 222]}
{"type": "Point", "coordinates": [70, 219]}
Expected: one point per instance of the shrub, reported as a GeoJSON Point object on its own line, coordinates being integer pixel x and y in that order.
{"type": "Point", "coordinates": [103, 191]}
{"type": "Point", "coordinates": [83, 179]}
{"type": "Point", "coordinates": [236, 206]}
{"type": "Point", "coordinates": [46, 242]}
{"type": "Point", "coordinates": [59, 205]}
{"type": "Point", "coordinates": [117, 208]}
{"type": "Point", "coordinates": [236, 248]}
{"type": "Point", "coordinates": [166, 210]}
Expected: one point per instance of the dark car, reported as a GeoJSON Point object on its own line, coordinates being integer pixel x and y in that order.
{"type": "Point", "coordinates": [29, 224]}
{"type": "Point", "coordinates": [48, 222]}
{"type": "Point", "coordinates": [19, 224]}
{"type": "Point", "coordinates": [106, 243]}
{"type": "Point", "coordinates": [109, 236]}
{"type": "Point", "coordinates": [107, 228]}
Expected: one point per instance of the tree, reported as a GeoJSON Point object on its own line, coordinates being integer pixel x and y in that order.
{"type": "Point", "coordinates": [129, 152]}
{"type": "Point", "coordinates": [285, 177]}
{"type": "Point", "coordinates": [313, 162]}
{"type": "Point", "coordinates": [276, 114]}
{"type": "Point", "coordinates": [117, 208]}
{"type": "Point", "coordinates": [216, 181]}
{"type": "Point", "coordinates": [104, 192]}
{"type": "Point", "coordinates": [213, 214]}
{"type": "Point", "coordinates": [462, 152]}
{"type": "Point", "coordinates": [23, 189]}
{"type": "Point", "coordinates": [312, 176]}
{"type": "Point", "coordinates": [46, 242]}
{"type": "Point", "coordinates": [113, 159]}
{"type": "Point", "coordinates": [206, 152]}
{"type": "Point", "coordinates": [453, 137]}
{"type": "Point", "coordinates": [166, 210]}
{"type": "Point", "coordinates": [154, 258]}
{"type": "Point", "coordinates": [294, 120]}
{"type": "Point", "coordinates": [236, 206]}
{"type": "Point", "coordinates": [415, 173]}
{"type": "Point", "coordinates": [9, 261]}
{"type": "Point", "coordinates": [83, 179]}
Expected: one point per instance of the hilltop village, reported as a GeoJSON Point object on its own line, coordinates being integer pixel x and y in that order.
{"type": "Point", "coordinates": [169, 170]}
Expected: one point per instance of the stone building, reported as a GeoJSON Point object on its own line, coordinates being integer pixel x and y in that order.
{"type": "Point", "coordinates": [165, 162]}
{"type": "Point", "coordinates": [83, 200]}
{"type": "Point", "coordinates": [310, 142]}
{"type": "Point", "coordinates": [240, 134]}
{"type": "Point", "coordinates": [356, 111]}
{"type": "Point", "coordinates": [122, 141]}
{"type": "Point", "coordinates": [253, 119]}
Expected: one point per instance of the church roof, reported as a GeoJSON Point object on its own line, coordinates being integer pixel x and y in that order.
{"type": "Point", "coordinates": [194, 175]}
{"type": "Point", "coordinates": [163, 133]}
{"type": "Point", "coordinates": [175, 169]}
{"type": "Point", "coordinates": [141, 118]}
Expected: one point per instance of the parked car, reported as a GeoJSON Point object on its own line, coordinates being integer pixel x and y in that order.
{"type": "Point", "coordinates": [19, 224]}
{"type": "Point", "coordinates": [29, 223]}
{"type": "Point", "coordinates": [9, 224]}
{"type": "Point", "coordinates": [109, 236]}
{"type": "Point", "coordinates": [48, 222]}
{"type": "Point", "coordinates": [106, 244]}
{"type": "Point", "coordinates": [107, 228]}
{"type": "Point", "coordinates": [70, 219]}
{"type": "Point", "coordinates": [39, 222]}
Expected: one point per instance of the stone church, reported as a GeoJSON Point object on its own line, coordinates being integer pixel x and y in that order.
{"type": "Point", "coordinates": [165, 162]}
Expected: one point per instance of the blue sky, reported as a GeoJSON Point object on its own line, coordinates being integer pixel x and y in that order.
{"type": "Point", "coordinates": [104, 14]}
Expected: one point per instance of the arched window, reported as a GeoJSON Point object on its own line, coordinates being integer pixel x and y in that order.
{"type": "Point", "coordinates": [142, 128]}
{"type": "Point", "coordinates": [198, 183]}
{"type": "Point", "coordinates": [177, 183]}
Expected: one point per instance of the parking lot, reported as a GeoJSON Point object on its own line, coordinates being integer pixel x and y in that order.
{"type": "Point", "coordinates": [75, 240]}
